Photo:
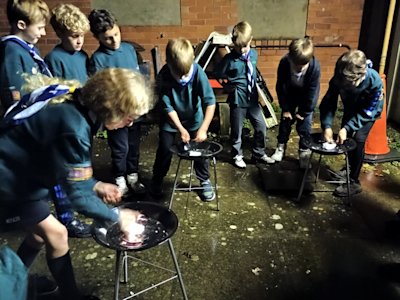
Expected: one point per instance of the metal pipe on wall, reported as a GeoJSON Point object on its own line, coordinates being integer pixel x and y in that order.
{"type": "Point", "coordinates": [388, 30]}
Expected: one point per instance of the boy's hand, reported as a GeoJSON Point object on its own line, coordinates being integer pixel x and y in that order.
{"type": "Point", "coordinates": [342, 136]}
{"type": "Point", "coordinates": [185, 136]}
{"type": "Point", "coordinates": [201, 136]}
{"type": "Point", "coordinates": [328, 135]}
{"type": "Point", "coordinates": [287, 115]}
{"type": "Point", "coordinates": [108, 192]}
{"type": "Point", "coordinates": [298, 117]}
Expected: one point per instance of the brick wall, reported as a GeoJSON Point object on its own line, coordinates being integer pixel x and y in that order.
{"type": "Point", "coordinates": [329, 22]}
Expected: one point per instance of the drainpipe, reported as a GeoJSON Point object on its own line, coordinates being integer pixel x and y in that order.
{"type": "Point", "coordinates": [388, 30]}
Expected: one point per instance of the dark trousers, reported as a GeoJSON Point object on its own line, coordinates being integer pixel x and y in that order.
{"type": "Point", "coordinates": [164, 157]}
{"type": "Point", "coordinates": [124, 144]}
{"type": "Point", "coordinates": [254, 114]}
{"type": "Point", "coordinates": [356, 157]}
{"type": "Point", "coordinates": [303, 128]}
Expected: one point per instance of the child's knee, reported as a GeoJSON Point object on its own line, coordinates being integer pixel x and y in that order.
{"type": "Point", "coordinates": [59, 237]}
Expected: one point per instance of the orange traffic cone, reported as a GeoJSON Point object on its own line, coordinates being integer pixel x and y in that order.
{"type": "Point", "coordinates": [376, 145]}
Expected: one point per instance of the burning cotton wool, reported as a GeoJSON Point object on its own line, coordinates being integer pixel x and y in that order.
{"type": "Point", "coordinates": [135, 233]}
{"type": "Point", "coordinates": [328, 146]}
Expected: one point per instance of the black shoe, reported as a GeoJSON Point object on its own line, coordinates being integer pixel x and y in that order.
{"type": "Point", "coordinates": [341, 191]}
{"type": "Point", "coordinates": [78, 229]}
{"type": "Point", "coordinates": [41, 286]}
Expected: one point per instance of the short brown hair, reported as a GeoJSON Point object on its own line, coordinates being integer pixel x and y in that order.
{"type": "Point", "coordinates": [68, 18]}
{"type": "Point", "coordinates": [351, 65]}
{"type": "Point", "coordinates": [180, 55]}
{"type": "Point", "coordinates": [29, 11]}
{"type": "Point", "coordinates": [301, 51]}
{"type": "Point", "coordinates": [241, 34]}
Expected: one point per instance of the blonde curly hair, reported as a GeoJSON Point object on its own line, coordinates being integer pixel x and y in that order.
{"type": "Point", "coordinates": [111, 94]}
{"type": "Point", "coordinates": [115, 93]}
{"type": "Point", "coordinates": [68, 18]}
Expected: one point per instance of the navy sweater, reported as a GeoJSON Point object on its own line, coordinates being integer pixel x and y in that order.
{"type": "Point", "coordinates": [361, 104]}
{"type": "Point", "coordinates": [305, 97]}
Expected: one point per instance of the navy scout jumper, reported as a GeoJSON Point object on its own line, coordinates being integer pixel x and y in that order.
{"type": "Point", "coordinates": [362, 106]}
{"type": "Point", "coordinates": [243, 104]}
{"type": "Point", "coordinates": [297, 99]}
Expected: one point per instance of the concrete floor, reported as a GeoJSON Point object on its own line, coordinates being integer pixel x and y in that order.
{"type": "Point", "coordinates": [260, 245]}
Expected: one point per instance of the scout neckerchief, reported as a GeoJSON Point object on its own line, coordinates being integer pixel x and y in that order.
{"type": "Point", "coordinates": [44, 69]}
{"type": "Point", "coordinates": [249, 71]}
{"type": "Point", "coordinates": [185, 79]}
{"type": "Point", "coordinates": [33, 102]}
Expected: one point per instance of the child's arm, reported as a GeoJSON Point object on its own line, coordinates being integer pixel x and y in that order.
{"type": "Point", "coordinates": [220, 73]}
{"type": "Point", "coordinates": [185, 136]}
{"type": "Point", "coordinates": [327, 110]}
{"type": "Point", "coordinates": [328, 105]}
{"type": "Point", "coordinates": [94, 65]}
{"type": "Point", "coordinates": [12, 80]}
{"type": "Point", "coordinates": [201, 134]}
{"type": "Point", "coordinates": [308, 106]}
{"type": "Point", "coordinates": [369, 103]}
{"type": "Point", "coordinates": [207, 97]}
{"type": "Point", "coordinates": [282, 78]}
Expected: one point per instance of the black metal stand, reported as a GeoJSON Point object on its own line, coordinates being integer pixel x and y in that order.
{"type": "Point", "coordinates": [122, 261]}
{"type": "Point", "coordinates": [315, 144]}
{"type": "Point", "coordinates": [214, 149]}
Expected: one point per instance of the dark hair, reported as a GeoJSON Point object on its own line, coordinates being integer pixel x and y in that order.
{"type": "Point", "coordinates": [101, 20]}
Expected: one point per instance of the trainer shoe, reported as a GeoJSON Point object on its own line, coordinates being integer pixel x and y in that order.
{"type": "Point", "coordinates": [239, 162]}
{"type": "Point", "coordinates": [207, 193]}
{"type": "Point", "coordinates": [136, 186]}
{"type": "Point", "coordinates": [121, 182]}
{"type": "Point", "coordinates": [78, 229]}
{"type": "Point", "coordinates": [341, 190]}
{"type": "Point", "coordinates": [278, 155]}
{"type": "Point", "coordinates": [265, 158]}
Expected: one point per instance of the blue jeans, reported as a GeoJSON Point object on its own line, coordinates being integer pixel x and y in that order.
{"type": "Point", "coordinates": [254, 114]}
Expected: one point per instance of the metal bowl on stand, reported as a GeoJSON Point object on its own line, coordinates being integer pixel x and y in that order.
{"type": "Point", "coordinates": [159, 222]}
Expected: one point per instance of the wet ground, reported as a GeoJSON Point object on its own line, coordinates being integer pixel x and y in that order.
{"type": "Point", "coordinates": [261, 244]}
